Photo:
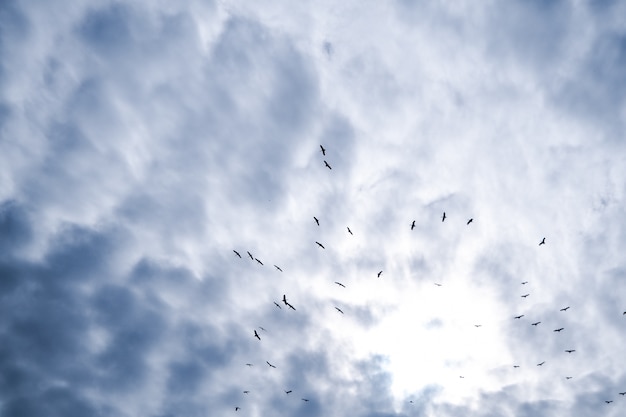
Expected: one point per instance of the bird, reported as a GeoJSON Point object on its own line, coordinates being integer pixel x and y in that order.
{"type": "Point", "coordinates": [539, 364]}
{"type": "Point", "coordinates": [443, 217]}
{"type": "Point", "coordinates": [246, 392]}
{"type": "Point", "coordinates": [525, 282]}
{"type": "Point", "coordinates": [320, 245]}
{"type": "Point", "coordinates": [608, 402]}
{"type": "Point", "coordinates": [518, 317]}
{"type": "Point", "coordinates": [340, 284]}
{"type": "Point", "coordinates": [461, 376]}
{"type": "Point", "coordinates": [525, 295]}
{"type": "Point", "coordinates": [305, 400]}
{"type": "Point", "coordinates": [328, 166]}
{"type": "Point", "coordinates": [323, 150]}
{"type": "Point", "coordinates": [256, 335]}
{"type": "Point", "coordinates": [350, 231]}
{"type": "Point", "coordinates": [236, 253]}
{"type": "Point", "coordinates": [286, 303]}
{"type": "Point", "coordinates": [250, 255]}
{"type": "Point", "coordinates": [379, 274]}
{"type": "Point", "coordinates": [622, 393]}
{"type": "Point", "coordinates": [543, 241]}
{"type": "Point", "coordinates": [258, 261]}
{"type": "Point", "coordinates": [248, 364]}
{"type": "Point", "coordinates": [278, 305]}
{"type": "Point", "coordinates": [515, 366]}
{"type": "Point", "coordinates": [316, 221]}
{"type": "Point", "coordinates": [288, 392]}
{"type": "Point", "coordinates": [568, 377]}
{"type": "Point", "coordinates": [558, 330]}
{"type": "Point", "coordinates": [260, 327]}
{"type": "Point", "coordinates": [413, 225]}
{"type": "Point", "coordinates": [237, 408]}
{"type": "Point", "coordinates": [564, 309]}
{"type": "Point", "coordinates": [571, 350]}
{"type": "Point", "coordinates": [339, 310]}
{"type": "Point", "coordinates": [469, 221]}
{"type": "Point", "coordinates": [278, 267]}
{"type": "Point", "coordinates": [271, 366]}
{"type": "Point", "coordinates": [477, 325]}
{"type": "Point", "coordinates": [534, 324]}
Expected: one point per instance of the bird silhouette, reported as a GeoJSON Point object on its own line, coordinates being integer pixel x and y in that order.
{"type": "Point", "coordinates": [568, 377]}
{"type": "Point", "coordinates": [250, 255]}
{"type": "Point", "coordinates": [316, 221]}
{"type": "Point", "coordinates": [413, 225]}
{"type": "Point", "coordinates": [443, 217]}
{"type": "Point", "coordinates": [237, 408]}
{"type": "Point", "coordinates": [340, 284]}
{"type": "Point", "coordinates": [236, 253]}
{"type": "Point", "coordinates": [608, 402]}
{"type": "Point", "coordinates": [278, 267]}
{"type": "Point", "coordinates": [518, 317]}
{"type": "Point", "coordinates": [571, 350]}
{"type": "Point", "coordinates": [469, 221]}
{"type": "Point", "coordinates": [286, 303]}
{"type": "Point", "coordinates": [261, 263]}
{"type": "Point", "coordinates": [515, 366]}
{"type": "Point", "coordinates": [558, 330]}
{"type": "Point", "coordinates": [477, 325]}
{"type": "Point", "coordinates": [525, 282]}
{"type": "Point", "coordinates": [246, 392]}
{"type": "Point", "coordinates": [622, 393]}
{"type": "Point", "coordinates": [278, 305]}
{"type": "Point", "coordinates": [339, 310]}
{"type": "Point", "coordinates": [564, 309]}
{"type": "Point", "coordinates": [323, 150]}
{"type": "Point", "coordinates": [256, 335]}
{"type": "Point", "coordinates": [288, 392]}
{"type": "Point", "coordinates": [437, 284]}
{"type": "Point", "coordinates": [271, 366]}
{"type": "Point", "coordinates": [350, 231]}
{"type": "Point", "coordinates": [543, 241]}
{"type": "Point", "coordinates": [379, 274]}
{"type": "Point", "coordinates": [248, 364]}
{"type": "Point", "coordinates": [320, 245]}
{"type": "Point", "coordinates": [540, 364]}
{"type": "Point", "coordinates": [305, 400]}
{"type": "Point", "coordinates": [525, 295]}
{"type": "Point", "coordinates": [262, 328]}
{"type": "Point", "coordinates": [534, 324]}
{"type": "Point", "coordinates": [327, 166]}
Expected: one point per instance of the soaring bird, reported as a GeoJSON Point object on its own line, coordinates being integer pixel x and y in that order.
{"type": "Point", "coordinates": [340, 284]}
{"type": "Point", "coordinates": [608, 402]}
{"type": "Point", "coordinates": [278, 305]}
{"type": "Point", "coordinates": [250, 255]}
{"type": "Point", "coordinates": [339, 310]}
{"type": "Point", "coordinates": [443, 217]}
{"type": "Point", "coordinates": [437, 284]}
{"type": "Point", "coordinates": [236, 253]}
{"type": "Point", "coordinates": [525, 295]}
{"type": "Point", "coordinates": [564, 309]}
{"type": "Point", "coordinates": [477, 325]}
{"type": "Point", "coordinates": [558, 330]}
{"type": "Point", "coordinates": [305, 400]}
{"type": "Point", "coordinates": [286, 303]}
{"type": "Point", "coordinates": [469, 221]}
{"type": "Point", "coordinates": [278, 267]}
{"type": "Point", "coordinates": [248, 364]}
{"type": "Point", "coordinates": [271, 366]}
{"type": "Point", "coordinates": [246, 392]}
{"type": "Point", "coordinates": [543, 241]}
{"type": "Point", "coordinates": [288, 392]}
{"type": "Point", "coordinates": [539, 364]}
{"type": "Point", "coordinates": [323, 150]}
{"type": "Point", "coordinates": [519, 317]}
{"type": "Point", "coordinates": [258, 261]}
{"type": "Point", "coordinates": [316, 221]}
{"type": "Point", "coordinates": [534, 324]}
{"type": "Point", "coordinates": [379, 274]}
{"type": "Point", "coordinates": [515, 366]}
{"type": "Point", "coordinates": [256, 335]}
{"type": "Point", "coordinates": [237, 408]}
{"type": "Point", "coordinates": [320, 245]}
{"type": "Point", "coordinates": [328, 166]}
{"type": "Point", "coordinates": [571, 350]}
{"type": "Point", "coordinates": [525, 282]}
{"type": "Point", "coordinates": [350, 231]}
{"type": "Point", "coordinates": [622, 393]}
{"type": "Point", "coordinates": [413, 225]}
{"type": "Point", "coordinates": [568, 377]}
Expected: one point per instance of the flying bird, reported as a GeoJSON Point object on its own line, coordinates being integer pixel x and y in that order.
{"type": "Point", "coordinates": [340, 284]}
{"type": "Point", "coordinates": [271, 366]}
{"type": "Point", "coordinates": [534, 324]}
{"type": "Point", "coordinates": [237, 408]}
{"type": "Point", "coordinates": [518, 317]}
{"type": "Point", "coordinates": [262, 328]}
{"type": "Point", "coordinates": [443, 217]}
{"type": "Point", "coordinates": [350, 231]}
{"type": "Point", "coordinates": [413, 225]}
{"type": "Point", "coordinates": [278, 267]}
{"type": "Point", "coordinates": [437, 284]}
{"type": "Point", "coordinates": [246, 392]}
{"type": "Point", "coordinates": [288, 392]}
{"type": "Point", "coordinates": [515, 366]}
{"type": "Point", "coordinates": [571, 350]}
{"type": "Point", "coordinates": [248, 364]}
{"type": "Point", "coordinates": [564, 309]}
{"type": "Point", "coordinates": [608, 402]}
{"type": "Point", "coordinates": [477, 325]}
{"type": "Point", "coordinates": [323, 150]}
{"type": "Point", "coordinates": [525, 282]}
{"type": "Point", "coordinates": [278, 305]}
{"type": "Point", "coordinates": [320, 245]}
{"type": "Point", "coordinates": [258, 261]}
{"type": "Point", "coordinates": [543, 241]}
{"type": "Point", "coordinates": [316, 221]}
{"type": "Point", "coordinates": [558, 330]}
{"type": "Point", "coordinates": [250, 255]}
{"type": "Point", "coordinates": [525, 295]}
{"type": "Point", "coordinates": [328, 166]}
{"type": "Point", "coordinates": [469, 221]}
{"type": "Point", "coordinates": [539, 364]}
{"type": "Point", "coordinates": [568, 377]}
{"type": "Point", "coordinates": [286, 303]}
{"type": "Point", "coordinates": [305, 400]}
{"type": "Point", "coordinates": [256, 335]}
{"type": "Point", "coordinates": [379, 274]}
{"type": "Point", "coordinates": [339, 310]}
{"type": "Point", "coordinates": [236, 253]}
{"type": "Point", "coordinates": [622, 393]}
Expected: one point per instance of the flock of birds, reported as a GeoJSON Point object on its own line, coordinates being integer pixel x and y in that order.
{"type": "Point", "coordinates": [443, 218]}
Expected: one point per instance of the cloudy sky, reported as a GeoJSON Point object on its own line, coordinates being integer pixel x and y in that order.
{"type": "Point", "coordinates": [142, 143]}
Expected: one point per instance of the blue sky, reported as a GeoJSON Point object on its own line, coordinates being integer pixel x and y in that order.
{"type": "Point", "coordinates": [142, 143]}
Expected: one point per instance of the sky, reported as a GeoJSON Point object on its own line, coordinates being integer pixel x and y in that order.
{"type": "Point", "coordinates": [144, 144]}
